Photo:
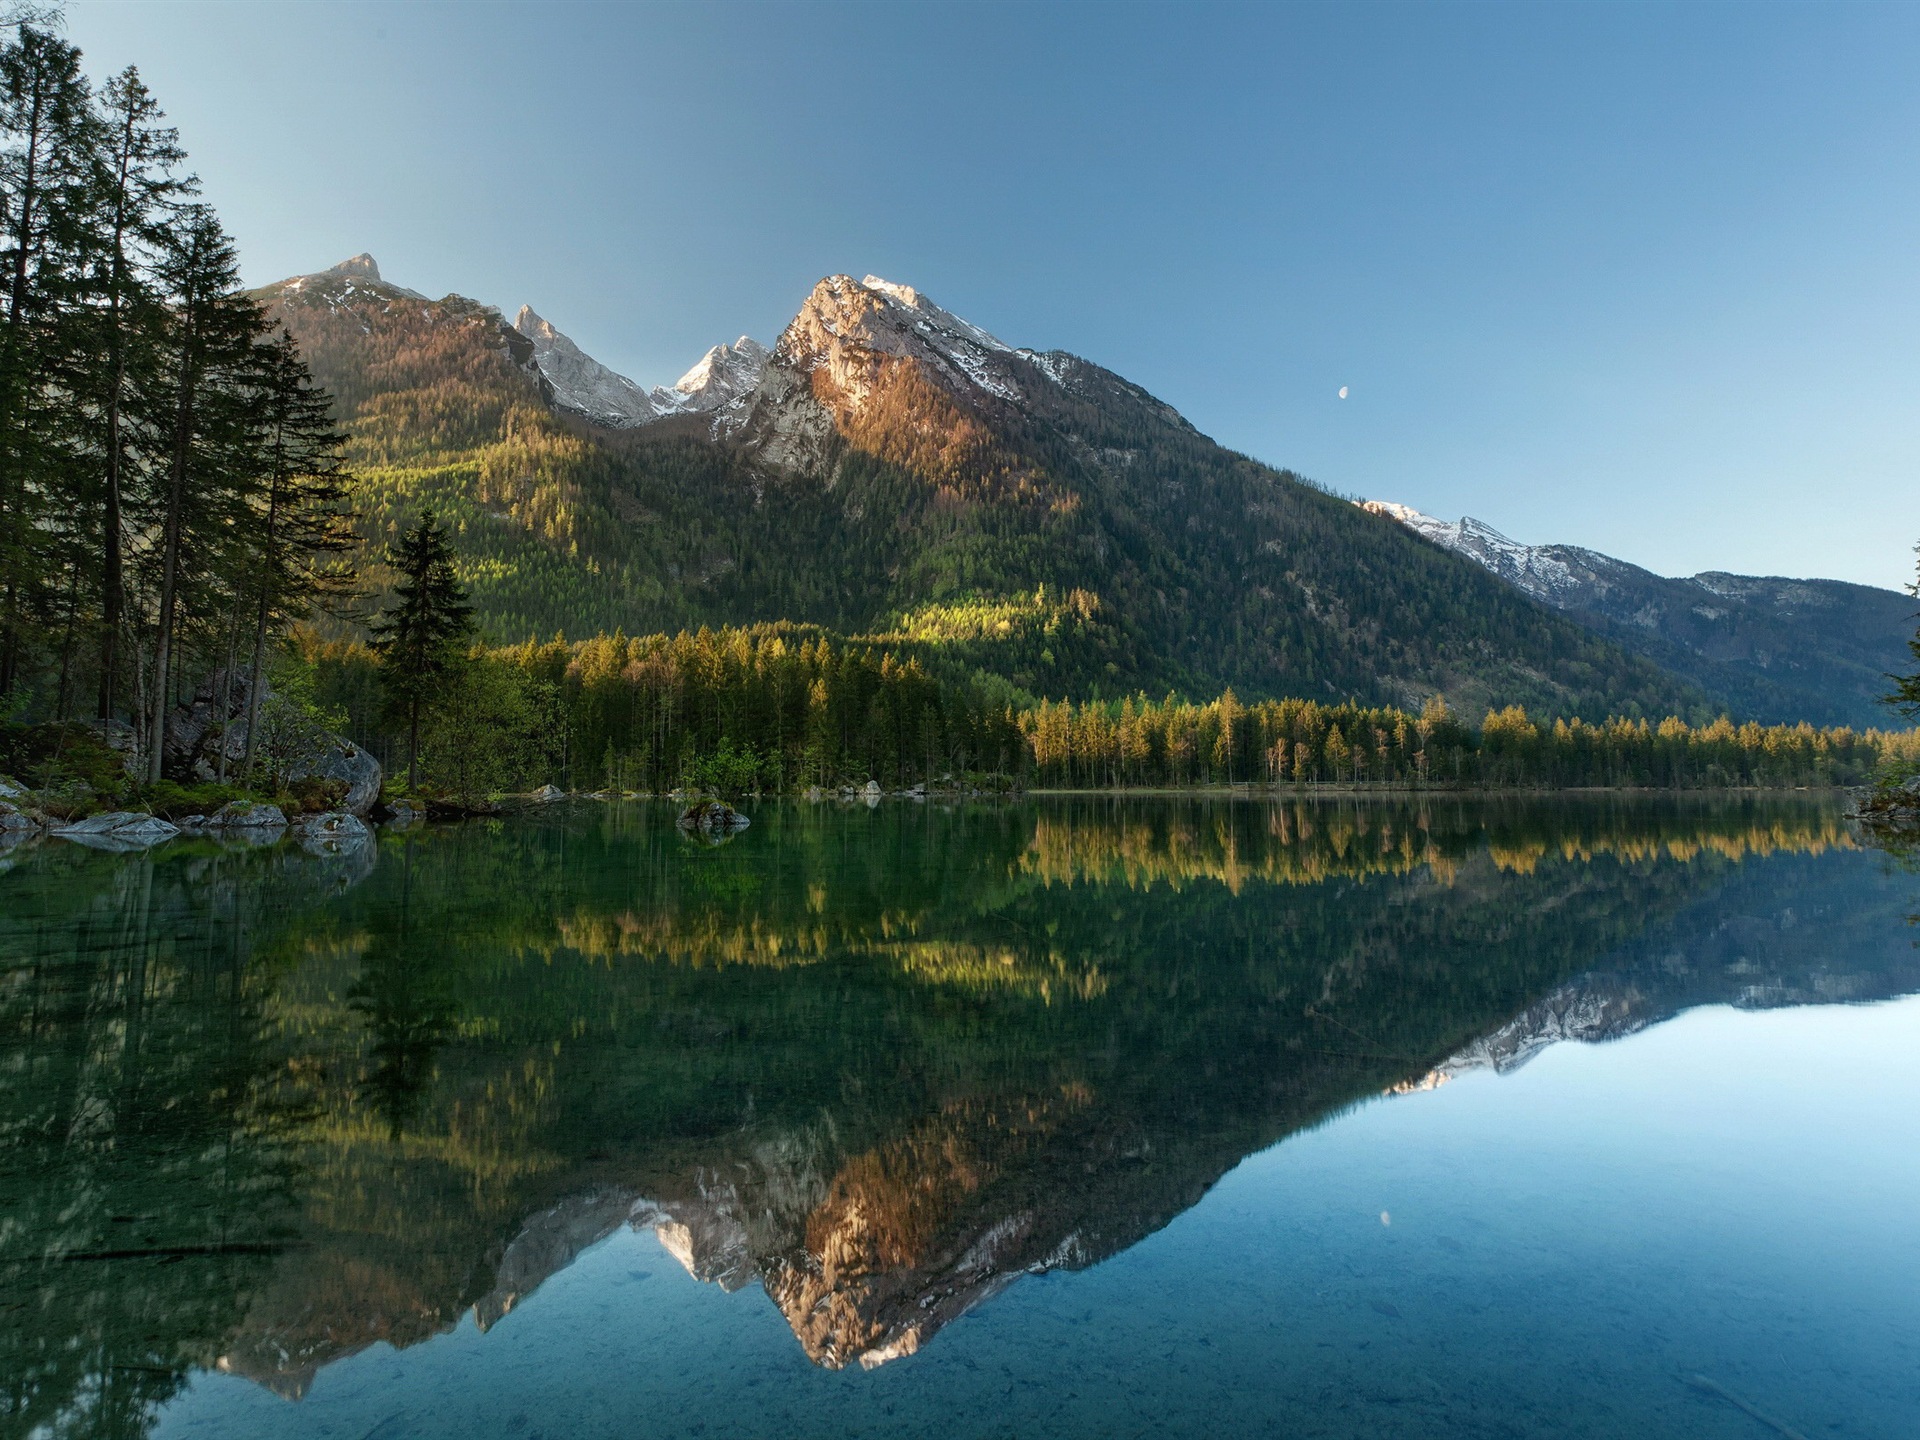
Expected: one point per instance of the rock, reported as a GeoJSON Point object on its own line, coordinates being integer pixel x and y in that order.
{"type": "Point", "coordinates": [714, 817]}
{"type": "Point", "coordinates": [12, 789]}
{"type": "Point", "coordinates": [333, 833]}
{"type": "Point", "coordinates": [342, 761]}
{"type": "Point", "coordinates": [813, 794]}
{"type": "Point", "coordinates": [118, 736]}
{"type": "Point", "coordinates": [245, 815]}
{"type": "Point", "coordinates": [547, 794]}
{"type": "Point", "coordinates": [872, 791]}
{"type": "Point", "coordinates": [118, 830]}
{"type": "Point", "coordinates": [14, 820]}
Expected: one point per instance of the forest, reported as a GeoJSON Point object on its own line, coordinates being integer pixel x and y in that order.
{"type": "Point", "coordinates": [776, 709]}
{"type": "Point", "coordinates": [172, 489]}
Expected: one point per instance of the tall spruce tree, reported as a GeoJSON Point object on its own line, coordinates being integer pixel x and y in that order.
{"type": "Point", "coordinates": [424, 636]}
{"type": "Point", "coordinates": [141, 191]}
{"type": "Point", "coordinates": [301, 527]}
{"type": "Point", "coordinates": [48, 195]}
{"type": "Point", "coordinates": [1905, 697]}
{"type": "Point", "coordinates": [211, 457]}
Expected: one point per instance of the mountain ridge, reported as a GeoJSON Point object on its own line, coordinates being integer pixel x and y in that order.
{"type": "Point", "coordinates": [888, 469]}
{"type": "Point", "coordinates": [1780, 649]}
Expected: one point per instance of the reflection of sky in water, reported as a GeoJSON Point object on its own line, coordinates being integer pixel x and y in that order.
{"type": "Point", "coordinates": [1728, 1195]}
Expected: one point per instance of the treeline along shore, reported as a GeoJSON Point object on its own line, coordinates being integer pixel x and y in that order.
{"type": "Point", "coordinates": [779, 708]}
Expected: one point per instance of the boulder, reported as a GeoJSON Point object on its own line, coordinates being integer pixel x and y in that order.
{"type": "Point", "coordinates": [547, 794]}
{"type": "Point", "coordinates": [118, 830]}
{"type": "Point", "coordinates": [342, 761]}
{"type": "Point", "coordinates": [15, 821]}
{"type": "Point", "coordinates": [333, 833]}
{"type": "Point", "coordinates": [712, 817]}
{"type": "Point", "coordinates": [245, 815]}
{"type": "Point", "coordinates": [12, 790]}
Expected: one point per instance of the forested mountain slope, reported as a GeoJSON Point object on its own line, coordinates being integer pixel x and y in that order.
{"type": "Point", "coordinates": [890, 469]}
{"type": "Point", "coordinates": [1774, 649]}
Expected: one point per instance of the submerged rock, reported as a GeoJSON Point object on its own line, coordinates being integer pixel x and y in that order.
{"type": "Point", "coordinates": [333, 833]}
{"type": "Point", "coordinates": [118, 830]}
{"type": "Point", "coordinates": [712, 817]}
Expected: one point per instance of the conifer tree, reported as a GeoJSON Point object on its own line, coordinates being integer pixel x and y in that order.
{"type": "Point", "coordinates": [1906, 688]}
{"type": "Point", "coordinates": [140, 191]}
{"type": "Point", "coordinates": [47, 195]}
{"type": "Point", "coordinates": [210, 357]}
{"type": "Point", "coordinates": [423, 637]}
{"type": "Point", "coordinates": [300, 525]}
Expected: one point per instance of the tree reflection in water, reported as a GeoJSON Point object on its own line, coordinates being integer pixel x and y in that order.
{"type": "Point", "coordinates": [263, 1109]}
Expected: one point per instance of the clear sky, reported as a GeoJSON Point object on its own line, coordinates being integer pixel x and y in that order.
{"type": "Point", "coordinates": [1637, 277]}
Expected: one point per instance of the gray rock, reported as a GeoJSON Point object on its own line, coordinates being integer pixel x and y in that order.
{"type": "Point", "coordinates": [12, 789]}
{"type": "Point", "coordinates": [547, 794]}
{"type": "Point", "coordinates": [344, 761]}
{"type": "Point", "coordinates": [245, 815]}
{"type": "Point", "coordinates": [15, 821]}
{"type": "Point", "coordinates": [118, 830]}
{"type": "Point", "coordinates": [714, 817]}
{"type": "Point", "coordinates": [334, 833]}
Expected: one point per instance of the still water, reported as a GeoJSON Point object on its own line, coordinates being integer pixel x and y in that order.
{"type": "Point", "coordinates": [1072, 1117]}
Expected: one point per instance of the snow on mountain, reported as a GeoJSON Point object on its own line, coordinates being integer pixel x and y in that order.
{"type": "Point", "coordinates": [723, 375]}
{"type": "Point", "coordinates": [578, 382]}
{"type": "Point", "coordinates": [338, 283]}
{"type": "Point", "coordinates": [1542, 571]}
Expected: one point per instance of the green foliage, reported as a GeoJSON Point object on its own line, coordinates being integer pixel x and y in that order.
{"type": "Point", "coordinates": [170, 800]}
{"type": "Point", "coordinates": [69, 760]}
{"type": "Point", "coordinates": [422, 638]}
{"type": "Point", "coordinates": [489, 728]}
{"type": "Point", "coordinates": [729, 772]}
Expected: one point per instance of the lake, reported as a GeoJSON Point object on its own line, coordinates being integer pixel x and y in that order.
{"type": "Point", "coordinates": [1065, 1117]}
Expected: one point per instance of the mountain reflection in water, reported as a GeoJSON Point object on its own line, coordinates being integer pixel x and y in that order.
{"type": "Point", "coordinates": [264, 1109]}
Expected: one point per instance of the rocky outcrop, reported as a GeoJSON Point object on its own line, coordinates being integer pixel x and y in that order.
{"type": "Point", "coordinates": [342, 762]}
{"type": "Point", "coordinates": [117, 830]}
{"type": "Point", "coordinates": [712, 817]}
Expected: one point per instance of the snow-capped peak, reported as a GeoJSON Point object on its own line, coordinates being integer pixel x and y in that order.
{"type": "Point", "coordinates": [1537, 569]}
{"type": "Point", "coordinates": [580, 383]}
{"type": "Point", "coordinates": [929, 318]}
{"type": "Point", "coordinates": [723, 374]}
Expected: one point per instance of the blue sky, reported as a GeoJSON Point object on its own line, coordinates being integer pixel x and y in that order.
{"type": "Point", "coordinates": [1635, 277]}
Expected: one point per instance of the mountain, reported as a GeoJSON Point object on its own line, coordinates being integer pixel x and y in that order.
{"type": "Point", "coordinates": [891, 470]}
{"type": "Point", "coordinates": [574, 381]}
{"type": "Point", "coordinates": [1767, 648]}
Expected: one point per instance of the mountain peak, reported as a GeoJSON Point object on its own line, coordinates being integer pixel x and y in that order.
{"type": "Point", "coordinates": [362, 267]}
{"type": "Point", "coordinates": [578, 382]}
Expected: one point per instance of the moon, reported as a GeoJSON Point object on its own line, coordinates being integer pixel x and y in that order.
{"type": "Point", "coordinates": [1343, 392]}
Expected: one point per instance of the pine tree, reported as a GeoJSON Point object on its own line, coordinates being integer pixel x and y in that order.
{"type": "Point", "coordinates": [1906, 688]}
{"type": "Point", "coordinates": [139, 196]}
{"type": "Point", "coordinates": [300, 523]}
{"type": "Point", "coordinates": [210, 464]}
{"type": "Point", "coordinates": [48, 192]}
{"type": "Point", "coordinates": [422, 639]}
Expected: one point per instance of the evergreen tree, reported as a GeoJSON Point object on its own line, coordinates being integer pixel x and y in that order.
{"type": "Point", "coordinates": [301, 522]}
{"type": "Point", "coordinates": [1906, 688]}
{"type": "Point", "coordinates": [423, 636]}
{"type": "Point", "coordinates": [139, 195]}
{"type": "Point", "coordinates": [210, 464]}
{"type": "Point", "coordinates": [48, 193]}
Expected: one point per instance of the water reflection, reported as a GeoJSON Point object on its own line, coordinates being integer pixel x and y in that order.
{"type": "Point", "coordinates": [264, 1109]}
